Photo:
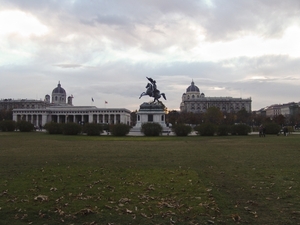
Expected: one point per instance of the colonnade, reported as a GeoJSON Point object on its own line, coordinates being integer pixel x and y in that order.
{"type": "Point", "coordinates": [72, 114]}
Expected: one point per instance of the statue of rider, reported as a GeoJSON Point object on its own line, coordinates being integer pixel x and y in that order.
{"type": "Point", "coordinates": [154, 87]}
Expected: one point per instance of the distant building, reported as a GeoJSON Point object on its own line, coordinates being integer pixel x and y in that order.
{"type": "Point", "coordinates": [58, 98]}
{"type": "Point", "coordinates": [273, 110]}
{"type": "Point", "coordinates": [10, 104]}
{"type": "Point", "coordinates": [261, 112]}
{"type": "Point", "coordinates": [61, 110]}
{"type": "Point", "coordinates": [194, 101]}
{"type": "Point", "coordinates": [286, 109]}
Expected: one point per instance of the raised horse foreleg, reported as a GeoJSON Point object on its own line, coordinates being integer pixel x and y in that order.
{"type": "Point", "coordinates": [143, 94]}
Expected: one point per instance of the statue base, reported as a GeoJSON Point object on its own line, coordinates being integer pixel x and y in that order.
{"type": "Point", "coordinates": [151, 113]}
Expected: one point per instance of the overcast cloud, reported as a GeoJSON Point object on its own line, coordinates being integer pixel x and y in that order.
{"type": "Point", "coordinates": [105, 49]}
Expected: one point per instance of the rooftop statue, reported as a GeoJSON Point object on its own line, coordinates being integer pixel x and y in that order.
{"type": "Point", "coordinates": [152, 91]}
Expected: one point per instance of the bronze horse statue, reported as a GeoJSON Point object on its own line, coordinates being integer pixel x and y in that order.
{"type": "Point", "coordinates": [153, 92]}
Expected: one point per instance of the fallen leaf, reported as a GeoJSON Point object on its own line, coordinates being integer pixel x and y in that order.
{"type": "Point", "coordinates": [53, 189]}
{"type": "Point", "coordinates": [41, 198]}
{"type": "Point", "coordinates": [236, 217]}
{"type": "Point", "coordinates": [124, 200]}
{"type": "Point", "coordinates": [85, 211]}
{"type": "Point", "coordinates": [128, 211]}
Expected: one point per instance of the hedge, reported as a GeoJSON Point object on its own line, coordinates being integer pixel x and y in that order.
{"type": "Point", "coordinates": [71, 128]}
{"type": "Point", "coordinates": [272, 128]}
{"type": "Point", "coordinates": [54, 128]}
{"type": "Point", "coordinates": [7, 125]}
{"type": "Point", "coordinates": [182, 129]}
{"type": "Point", "coordinates": [25, 126]}
{"type": "Point", "coordinates": [206, 129]}
{"type": "Point", "coordinates": [119, 129]}
{"type": "Point", "coordinates": [93, 129]}
{"type": "Point", "coordinates": [151, 129]}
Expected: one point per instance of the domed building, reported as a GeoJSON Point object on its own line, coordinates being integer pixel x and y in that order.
{"type": "Point", "coordinates": [59, 95]}
{"type": "Point", "coordinates": [194, 101]}
{"type": "Point", "coordinates": [193, 88]}
{"type": "Point", "coordinates": [61, 110]}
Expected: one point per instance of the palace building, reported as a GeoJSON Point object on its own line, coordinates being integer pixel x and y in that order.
{"type": "Point", "coordinates": [194, 101]}
{"type": "Point", "coordinates": [61, 110]}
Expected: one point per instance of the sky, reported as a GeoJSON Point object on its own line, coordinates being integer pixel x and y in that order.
{"type": "Point", "coordinates": [105, 49]}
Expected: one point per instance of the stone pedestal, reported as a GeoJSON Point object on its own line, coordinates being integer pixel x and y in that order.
{"type": "Point", "coordinates": [151, 113]}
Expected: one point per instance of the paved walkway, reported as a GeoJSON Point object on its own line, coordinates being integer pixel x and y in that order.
{"type": "Point", "coordinates": [137, 133]}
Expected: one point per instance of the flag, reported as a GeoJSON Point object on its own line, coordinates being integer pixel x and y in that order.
{"type": "Point", "coordinates": [106, 102]}
{"type": "Point", "coordinates": [92, 99]}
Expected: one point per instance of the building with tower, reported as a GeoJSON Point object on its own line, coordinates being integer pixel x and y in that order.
{"type": "Point", "coordinates": [60, 109]}
{"type": "Point", "coordinates": [194, 101]}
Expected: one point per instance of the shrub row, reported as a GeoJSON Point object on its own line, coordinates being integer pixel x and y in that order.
{"type": "Point", "coordinates": [91, 129]}
{"type": "Point", "coordinates": [119, 129]}
{"type": "Point", "coordinates": [148, 129]}
{"type": "Point", "coordinates": [182, 129]}
{"type": "Point", "coordinates": [151, 129]}
{"type": "Point", "coordinates": [9, 126]}
{"type": "Point", "coordinates": [209, 129]}
{"type": "Point", "coordinates": [206, 129]}
{"type": "Point", "coordinates": [272, 128]}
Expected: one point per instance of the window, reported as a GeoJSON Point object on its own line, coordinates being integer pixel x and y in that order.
{"type": "Point", "coordinates": [150, 118]}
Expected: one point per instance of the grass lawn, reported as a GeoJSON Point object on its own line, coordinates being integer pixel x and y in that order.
{"type": "Point", "coordinates": [57, 179]}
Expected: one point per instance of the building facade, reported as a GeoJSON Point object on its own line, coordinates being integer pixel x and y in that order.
{"type": "Point", "coordinates": [194, 101]}
{"type": "Point", "coordinates": [61, 110]}
{"type": "Point", "coordinates": [286, 109]}
{"type": "Point", "coordinates": [10, 104]}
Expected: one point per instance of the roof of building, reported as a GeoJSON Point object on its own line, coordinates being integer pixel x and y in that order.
{"type": "Point", "coordinates": [58, 89]}
{"type": "Point", "coordinates": [192, 88]}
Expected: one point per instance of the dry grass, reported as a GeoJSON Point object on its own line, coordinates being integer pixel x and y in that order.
{"type": "Point", "coordinates": [53, 179]}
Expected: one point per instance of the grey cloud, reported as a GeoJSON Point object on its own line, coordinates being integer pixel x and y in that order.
{"type": "Point", "coordinates": [235, 18]}
{"type": "Point", "coordinates": [68, 65]}
{"type": "Point", "coordinates": [227, 19]}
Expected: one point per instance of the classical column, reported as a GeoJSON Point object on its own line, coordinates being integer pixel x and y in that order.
{"type": "Point", "coordinates": [15, 116]}
{"type": "Point", "coordinates": [90, 118]}
{"type": "Point", "coordinates": [44, 119]}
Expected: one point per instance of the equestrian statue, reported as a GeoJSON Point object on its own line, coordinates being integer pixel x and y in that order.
{"type": "Point", "coordinates": [152, 91]}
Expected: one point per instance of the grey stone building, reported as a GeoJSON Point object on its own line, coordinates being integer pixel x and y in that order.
{"type": "Point", "coordinates": [194, 101]}
{"type": "Point", "coordinates": [61, 110]}
{"type": "Point", "coordinates": [58, 98]}
{"type": "Point", "coordinates": [10, 104]}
